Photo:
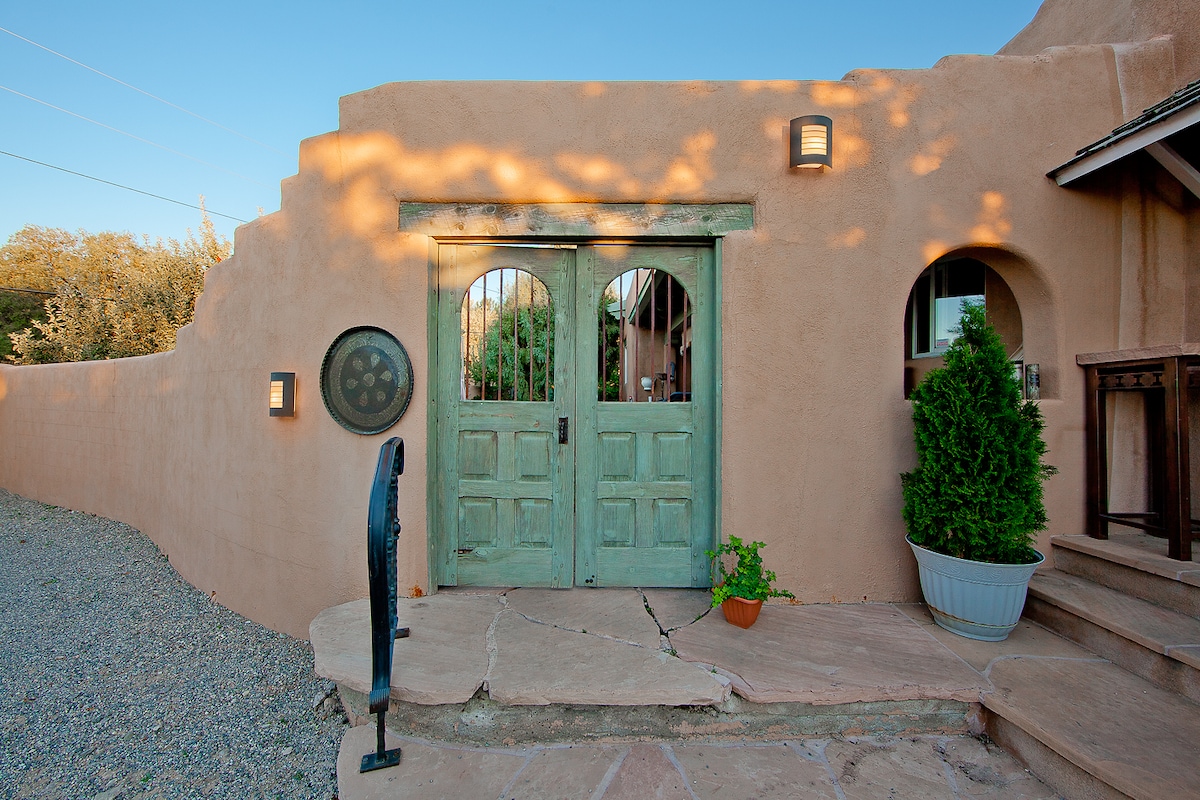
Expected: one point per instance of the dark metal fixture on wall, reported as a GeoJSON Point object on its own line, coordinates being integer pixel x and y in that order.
{"type": "Point", "coordinates": [811, 142]}
{"type": "Point", "coordinates": [283, 394]}
{"type": "Point", "coordinates": [366, 380]}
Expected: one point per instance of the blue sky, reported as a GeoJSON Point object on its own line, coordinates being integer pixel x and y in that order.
{"type": "Point", "coordinates": [270, 75]}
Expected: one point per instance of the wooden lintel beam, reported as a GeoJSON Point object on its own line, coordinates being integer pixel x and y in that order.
{"type": "Point", "coordinates": [582, 220]}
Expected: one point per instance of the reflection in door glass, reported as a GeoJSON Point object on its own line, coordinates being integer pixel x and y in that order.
{"type": "Point", "coordinates": [645, 339]}
{"type": "Point", "coordinates": [507, 338]}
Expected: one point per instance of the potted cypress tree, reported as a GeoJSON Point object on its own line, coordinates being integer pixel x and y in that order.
{"type": "Point", "coordinates": [974, 501]}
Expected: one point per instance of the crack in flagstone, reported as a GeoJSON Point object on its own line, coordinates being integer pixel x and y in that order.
{"type": "Point", "coordinates": [582, 631]}
{"type": "Point", "coordinates": [929, 635]}
{"type": "Point", "coordinates": [668, 631]}
{"type": "Point", "coordinates": [684, 625]}
{"type": "Point", "coordinates": [664, 643]}
{"type": "Point", "coordinates": [987, 671]}
{"type": "Point", "coordinates": [951, 767]}
{"type": "Point", "coordinates": [646, 604]}
{"type": "Point", "coordinates": [664, 634]}
{"type": "Point", "coordinates": [493, 651]}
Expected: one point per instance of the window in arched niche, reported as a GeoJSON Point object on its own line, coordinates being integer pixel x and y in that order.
{"type": "Point", "coordinates": [935, 308]}
{"type": "Point", "coordinates": [645, 319]}
{"type": "Point", "coordinates": [507, 338]}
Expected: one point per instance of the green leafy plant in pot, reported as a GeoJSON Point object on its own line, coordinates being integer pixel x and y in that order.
{"type": "Point", "coordinates": [974, 502]}
{"type": "Point", "coordinates": [740, 591]}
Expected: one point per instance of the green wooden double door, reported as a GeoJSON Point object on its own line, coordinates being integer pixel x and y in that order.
{"type": "Point", "coordinates": [575, 407]}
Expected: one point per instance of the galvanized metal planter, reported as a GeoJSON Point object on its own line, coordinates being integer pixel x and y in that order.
{"type": "Point", "coordinates": [973, 598]}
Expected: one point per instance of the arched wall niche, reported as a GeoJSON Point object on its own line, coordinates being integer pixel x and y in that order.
{"type": "Point", "coordinates": [1022, 302]}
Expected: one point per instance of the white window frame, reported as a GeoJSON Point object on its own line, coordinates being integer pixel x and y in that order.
{"type": "Point", "coordinates": [936, 273]}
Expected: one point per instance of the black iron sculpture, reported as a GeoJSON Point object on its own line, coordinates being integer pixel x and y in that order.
{"type": "Point", "coordinates": [383, 529]}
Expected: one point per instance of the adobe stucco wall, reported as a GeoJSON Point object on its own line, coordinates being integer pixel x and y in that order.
{"type": "Point", "coordinates": [270, 513]}
{"type": "Point", "coordinates": [1071, 22]}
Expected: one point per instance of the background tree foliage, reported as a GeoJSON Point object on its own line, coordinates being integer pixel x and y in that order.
{"type": "Point", "coordinates": [522, 331]}
{"type": "Point", "coordinates": [18, 310]}
{"type": "Point", "coordinates": [515, 337]}
{"type": "Point", "coordinates": [610, 347]}
{"type": "Point", "coordinates": [113, 296]}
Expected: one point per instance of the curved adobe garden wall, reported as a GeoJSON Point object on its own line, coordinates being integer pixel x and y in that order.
{"type": "Point", "coordinates": [269, 514]}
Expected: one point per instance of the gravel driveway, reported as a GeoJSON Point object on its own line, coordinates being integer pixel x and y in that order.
{"type": "Point", "coordinates": [118, 679]}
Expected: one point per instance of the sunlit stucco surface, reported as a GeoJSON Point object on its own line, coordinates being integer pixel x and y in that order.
{"type": "Point", "coordinates": [268, 514]}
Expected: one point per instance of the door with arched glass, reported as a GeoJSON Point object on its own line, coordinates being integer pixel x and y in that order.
{"type": "Point", "coordinates": [646, 406]}
{"type": "Point", "coordinates": [504, 481]}
{"type": "Point", "coordinates": [574, 409]}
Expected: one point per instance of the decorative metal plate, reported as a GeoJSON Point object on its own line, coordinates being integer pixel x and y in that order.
{"type": "Point", "coordinates": [366, 380]}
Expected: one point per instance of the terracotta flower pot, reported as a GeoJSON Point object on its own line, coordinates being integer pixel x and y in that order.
{"type": "Point", "coordinates": [740, 611]}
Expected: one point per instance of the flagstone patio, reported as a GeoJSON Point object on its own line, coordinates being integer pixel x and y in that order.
{"type": "Point", "coordinates": [616, 692]}
{"type": "Point", "coordinates": [625, 647]}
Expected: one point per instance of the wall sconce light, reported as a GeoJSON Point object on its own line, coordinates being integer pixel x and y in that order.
{"type": "Point", "coordinates": [811, 142]}
{"type": "Point", "coordinates": [283, 394]}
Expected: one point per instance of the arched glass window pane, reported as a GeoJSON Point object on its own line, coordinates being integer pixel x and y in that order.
{"type": "Point", "coordinates": [507, 338]}
{"type": "Point", "coordinates": [935, 308]}
{"type": "Point", "coordinates": [645, 319]}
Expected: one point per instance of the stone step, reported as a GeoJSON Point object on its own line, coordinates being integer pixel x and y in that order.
{"type": "Point", "coordinates": [532, 665]}
{"type": "Point", "coordinates": [1093, 730]}
{"type": "Point", "coordinates": [1132, 563]}
{"type": "Point", "coordinates": [1155, 643]}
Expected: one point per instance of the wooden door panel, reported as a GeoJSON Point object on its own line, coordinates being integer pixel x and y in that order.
{"type": "Point", "coordinates": [640, 474]}
{"type": "Point", "coordinates": [534, 523]}
{"type": "Point", "coordinates": [672, 522]}
{"type": "Point", "coordinates": [629, 500]}
{"type": "Point", "coordinates": [506, 484]}
{"type": "Point", "coordinates": [531, 452]}
{"type": "Point", "coordinates": [618, 456]}
{"type": "Point", "coordinates": [477, 455]}
{"type": "Point", "coordinates": [477, 522]}
{"type": "Point", "coordinates": [673, 453]}
{"type": "Point", "coordinates": [631, 567]}
{"type": "Point", "coordinates": [618, 521]}
{"type": "Point", "coordinates": [505, 567]}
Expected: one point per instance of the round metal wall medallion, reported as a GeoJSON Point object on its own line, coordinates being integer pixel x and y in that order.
{"type": "Point", "coordinates": [366, 380]}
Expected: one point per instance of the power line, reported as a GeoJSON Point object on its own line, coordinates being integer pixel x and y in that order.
{"type": "Point", "coordinates": [133, 136]}
{"type": "Point", "coordinates": [25, 291]}
{"type": "Point", "coordinates": [121, 186]}
{"type": "Point", "coordinates": [143, 91]}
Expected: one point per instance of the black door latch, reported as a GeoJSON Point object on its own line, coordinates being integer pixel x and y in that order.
{"type": "Point", "coordinates": [563, 428]}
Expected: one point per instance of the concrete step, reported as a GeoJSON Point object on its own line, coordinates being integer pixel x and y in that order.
{"type": "Point", "coordinates": [1133, 563]}
{"type": "Point", "coordinates": [1155, 643]}
{"type": "Point", "coordinates": [1093, 730]}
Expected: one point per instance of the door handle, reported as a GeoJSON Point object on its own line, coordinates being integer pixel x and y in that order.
{"type": "Point", "coordinates": [563, 430]}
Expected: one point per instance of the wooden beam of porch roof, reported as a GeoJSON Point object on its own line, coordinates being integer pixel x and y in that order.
{"type": "Point", "coordinates": [1177, 165]}
{"type": "Point", "coordinates": [1178, 112]}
